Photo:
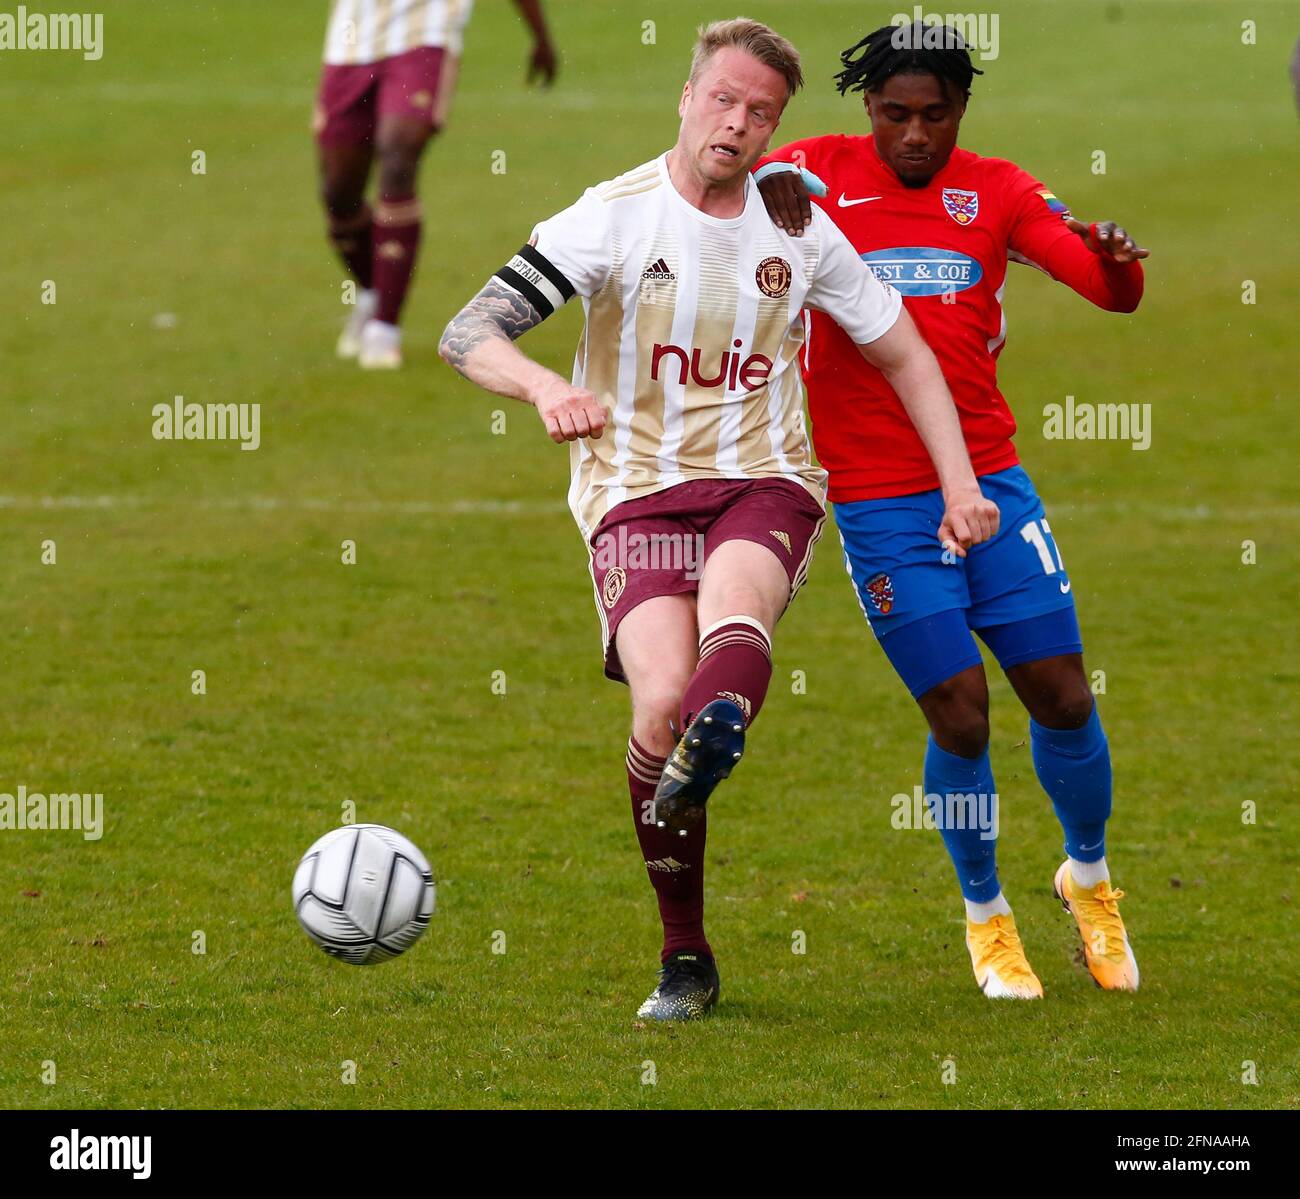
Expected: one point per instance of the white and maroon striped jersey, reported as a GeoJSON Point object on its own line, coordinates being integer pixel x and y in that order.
{"type": "Point", "coordinates": [693, 333]}
{"type": "Point", "coordinates": [362, 31]}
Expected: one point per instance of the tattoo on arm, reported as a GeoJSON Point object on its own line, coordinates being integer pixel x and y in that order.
{"type": "Point", "coordinates": [497, 311]}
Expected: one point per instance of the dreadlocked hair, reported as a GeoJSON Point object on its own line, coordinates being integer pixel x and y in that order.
{"type": "Point", "coordinates": [916, 49]}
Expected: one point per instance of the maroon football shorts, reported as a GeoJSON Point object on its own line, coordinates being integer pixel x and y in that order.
{"type": "Point", "coordinates": [658, 544]}
{"type": "Point", "coordinates": [417, 84]}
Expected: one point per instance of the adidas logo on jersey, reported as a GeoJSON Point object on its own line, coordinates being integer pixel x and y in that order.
{"type": "Point", "coordinates": [658, 272]}
{"type": "Point", "coordinates": [783, 538]}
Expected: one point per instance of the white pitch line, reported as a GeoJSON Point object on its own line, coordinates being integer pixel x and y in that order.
{"type": "Point", "coordinates": [266, 503]}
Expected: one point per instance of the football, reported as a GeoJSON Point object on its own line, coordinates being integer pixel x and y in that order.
{"type": "Point", "coordinates": [363, 893]}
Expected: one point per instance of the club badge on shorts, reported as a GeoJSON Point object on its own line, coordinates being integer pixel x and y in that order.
{"type": "Point", "coordinates": [612, 588]}
{"type": "Point", "coordinates": [962, 206]}
{"type": "Point", "coordinates": [773, 277]}
{"type": "Point", "coordinates": [881, 590]}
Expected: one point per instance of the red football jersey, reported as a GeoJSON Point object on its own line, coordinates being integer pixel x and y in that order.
{"type": "Point", "coordinates": [944, 247]}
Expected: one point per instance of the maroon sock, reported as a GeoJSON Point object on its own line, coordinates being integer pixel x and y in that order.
{"type": "Point", "coordinates": [675, 864]}
{"type": "Point", "coordinates": [351, 238]}
{"type": "Point", "coordinates": [396, 241]}
{"type": "Point", "coordinates": [735, 664]}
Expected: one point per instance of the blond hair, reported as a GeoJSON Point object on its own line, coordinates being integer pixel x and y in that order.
{"type": "Point", "coordinates": [756, 40]}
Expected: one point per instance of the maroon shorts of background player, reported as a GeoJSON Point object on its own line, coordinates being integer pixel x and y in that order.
{"type": "Point", "coordinates": [417, 84]}
{"type": "Point", "coordinates": [658, 544]}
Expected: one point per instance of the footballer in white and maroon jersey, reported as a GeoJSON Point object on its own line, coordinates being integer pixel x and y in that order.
{"type": "Point", "coordinates": [940, 224]}
{"type": "Point", "coordinates": [386, 86]}
{"type": "Point", "coordinates": [692, 480]}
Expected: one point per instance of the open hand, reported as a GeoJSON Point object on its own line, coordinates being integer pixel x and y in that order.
{"type": "Point", "coordinates": [1108, 239]}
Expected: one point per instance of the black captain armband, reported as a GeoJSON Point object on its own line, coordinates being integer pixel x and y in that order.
{"type": "Point", "coordinates": [536, 278]}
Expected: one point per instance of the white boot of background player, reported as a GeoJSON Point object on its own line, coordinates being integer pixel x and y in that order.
{"type": "Point", "coordinates": [381, 347]}
{"type": "Point", "coordinates": [349, 343]}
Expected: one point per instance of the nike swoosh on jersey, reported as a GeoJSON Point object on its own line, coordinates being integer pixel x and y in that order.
{"type": "Point", "coordinates": [847, 203]}
{"type": "Point", "coordinates": [1065, 587]}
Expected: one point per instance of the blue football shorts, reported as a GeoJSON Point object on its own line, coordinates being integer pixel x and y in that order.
{"type": "Point", "coordinates": [1013, 591]}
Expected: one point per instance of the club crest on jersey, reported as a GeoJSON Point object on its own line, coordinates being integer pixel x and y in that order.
{"type": "Point", "coordinates": [612, 588]}
{"type": "Point", "coordinates": [962, 206]}
{"type": "Point", "coordinates": [881, 590]}
{"type": "Point", "coordinates": [773, 277]}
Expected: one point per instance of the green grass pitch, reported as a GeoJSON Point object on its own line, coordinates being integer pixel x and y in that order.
{"type": "Point", "coordinates": [372, 683]}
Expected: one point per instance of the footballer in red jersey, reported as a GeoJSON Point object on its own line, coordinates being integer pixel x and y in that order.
{"type": "Point", "coordinates": [386, 86]}
{"type": "Point", "coordinates": [940, 224]}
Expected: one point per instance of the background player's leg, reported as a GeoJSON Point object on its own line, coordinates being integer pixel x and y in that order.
{"type": "Point", "coordinates": [1072, 758]}
{"type": "Point", "coordinates": [960, 790]}
{"type": "Point", "coordinates": [657, 649]}
{"type": "Point", "coordinates": [1071, 755]}
{"type": "Point", "coordinates": [917, 606]}
{"type": "Point", "coordinates": [344, 172]}
{"type": "Point", "coordinates": [937, 658]}
{"type": "Point", "coordinates": [957, 763]}
{"type": "Point", "coordinates": [1023, 609]}
{"type": "Point", "coordinates": [957, 711]}
{"type": "Point", "coordinates": [399, 143]}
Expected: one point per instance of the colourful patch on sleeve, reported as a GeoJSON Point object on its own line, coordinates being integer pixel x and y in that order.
{"type": "Point", "coordinates": [1057, 206]}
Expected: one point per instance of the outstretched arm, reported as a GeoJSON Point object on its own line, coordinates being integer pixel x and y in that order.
{"type": "Point", "coordinates": [1100, 261]}
{"type": "Point", "coordinates": [479, 344]}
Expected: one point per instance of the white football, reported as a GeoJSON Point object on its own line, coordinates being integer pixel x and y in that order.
{"type": "Point", "coordinates": [363, 893]}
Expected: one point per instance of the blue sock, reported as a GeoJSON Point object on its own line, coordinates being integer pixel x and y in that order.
{"type": "Point", "coordinates": [973, 845]}
{"type": "Point", "coordinates": [1074, 768]}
